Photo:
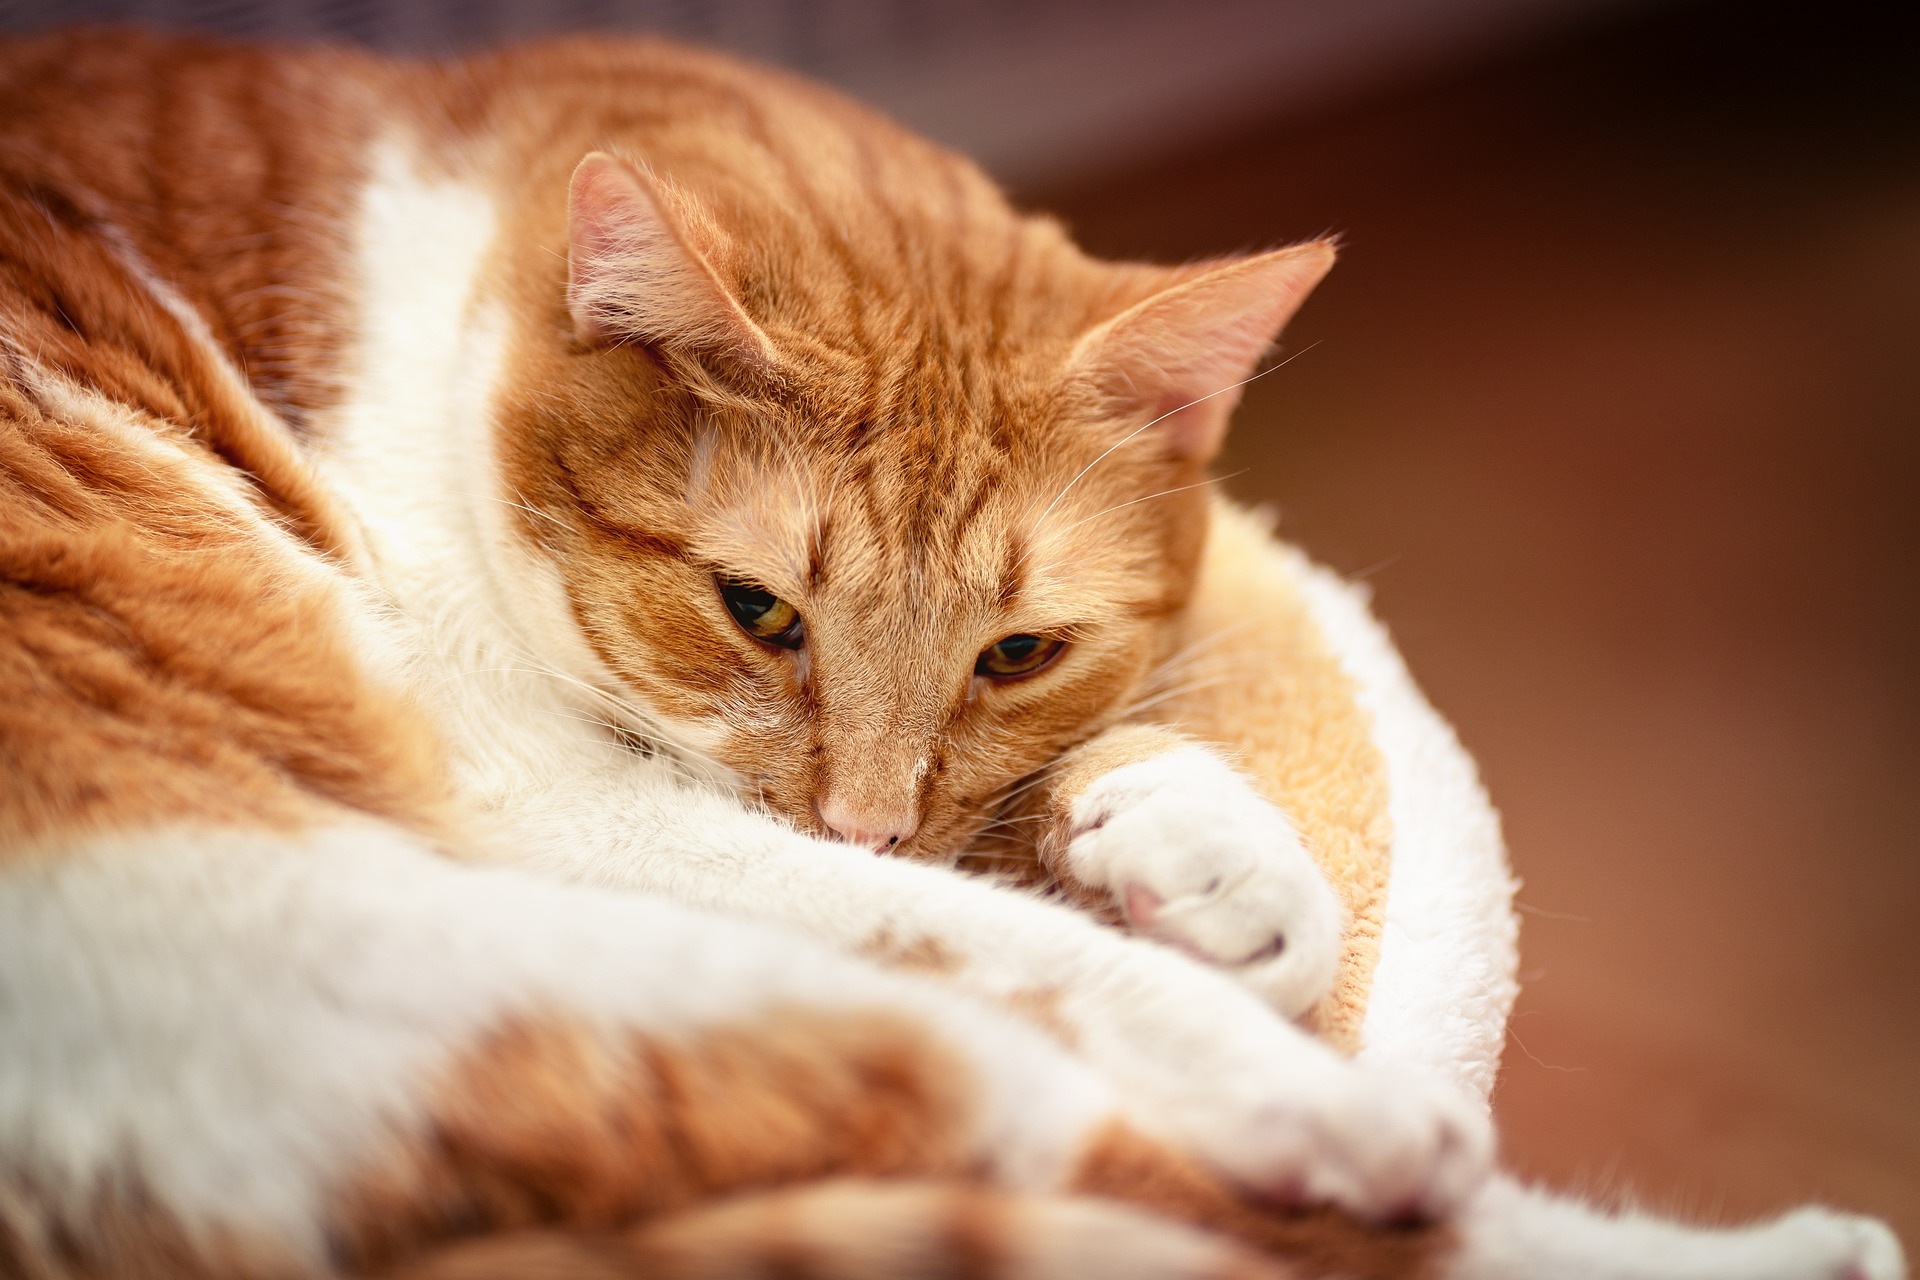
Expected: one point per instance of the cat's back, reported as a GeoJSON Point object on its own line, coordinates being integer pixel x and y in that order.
{"type": "Point", "coordinates": [225, 171]}
{"type": "Point", "coordinates": [239, 172]}
{"type": "Point", "coordinates": [171, 638]}
{"type": "Point", "coordinates": [144, 112]}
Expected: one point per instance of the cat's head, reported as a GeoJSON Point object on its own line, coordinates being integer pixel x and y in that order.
{"type": "Point", "coordinates": [882, 498]}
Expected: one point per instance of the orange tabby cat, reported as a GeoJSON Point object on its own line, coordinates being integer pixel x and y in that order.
{"type": "Point", "coordinates": [459, 525]}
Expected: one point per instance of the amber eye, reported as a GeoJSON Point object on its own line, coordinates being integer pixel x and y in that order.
{"type": "Point", "coordinates": [762, 614]}
{"type": "Point", "coordinates": [1020, 655]}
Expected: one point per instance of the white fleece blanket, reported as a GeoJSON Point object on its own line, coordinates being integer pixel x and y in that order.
{"type": "Point", "coordinates": [1446, 978]}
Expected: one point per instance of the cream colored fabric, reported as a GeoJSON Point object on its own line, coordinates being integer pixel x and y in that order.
{"type": "Point", "coordinates": [1297, 671]}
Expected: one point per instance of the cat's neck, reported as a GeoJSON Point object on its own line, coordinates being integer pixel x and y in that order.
{"type": "Point", "coordinates": [408, 446]}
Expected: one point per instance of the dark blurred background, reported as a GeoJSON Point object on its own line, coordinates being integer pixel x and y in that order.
{"type": "Point", "coordinates": [1614, 400]}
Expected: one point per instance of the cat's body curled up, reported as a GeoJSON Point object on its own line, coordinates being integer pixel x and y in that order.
{"type": "Point", "coordinates": [491, 556]}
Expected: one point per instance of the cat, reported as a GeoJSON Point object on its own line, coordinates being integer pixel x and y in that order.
{"type": "Point", "coordinates": [517, 577]}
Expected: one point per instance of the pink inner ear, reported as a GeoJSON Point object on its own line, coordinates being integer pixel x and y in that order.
{"type": "Point", "coordinates": [634, 271]}
{"type": "Point", "coordinates": [1181, 354]}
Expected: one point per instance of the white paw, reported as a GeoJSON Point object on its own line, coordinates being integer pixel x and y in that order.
{"type": "Point", "coordinates": [1202, 1063]}
{"type": "Point", "coordinates": [1200, 860]}
{"type": "Point", "coordinates": [1818, 1244]}
{"type": "Point", "coordinates": [1384, 1145]}
{"type": "Point", "coordinates": [1880, 1256]}
{"type": "Point", "coordinates": [1511, 1232]}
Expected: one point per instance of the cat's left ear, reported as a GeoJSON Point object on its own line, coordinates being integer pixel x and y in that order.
{"type": "Point", "coordinates": [1180, 354]}
{"type": "Point", "coordinates": [645, 261]}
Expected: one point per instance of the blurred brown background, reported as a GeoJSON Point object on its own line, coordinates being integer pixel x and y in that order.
{"type": "Point", "coordinates": [1615, 400]}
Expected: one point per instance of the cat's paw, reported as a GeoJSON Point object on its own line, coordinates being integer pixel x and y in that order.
{"type": "Point", "coordinates": [1382, 1144]}
{"type": "Point", "coordinates": [1818, 1244]}
{"type": "Point", "coordinates": [1511, 1230]}
{"type": "Point", "coordinates": [1197, 858]}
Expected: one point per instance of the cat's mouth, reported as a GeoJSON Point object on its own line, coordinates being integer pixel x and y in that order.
{"type": "Point", "coordinates": [947, 831]}
{"type": "Point", "coordinates": [952, 831]}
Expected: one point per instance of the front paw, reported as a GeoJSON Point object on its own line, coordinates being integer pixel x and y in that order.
{"type": "Point", "coordinates": [1844, 1245]}
{"type": "Point", "coordinates": [1511, 1230]}
{"type": "Point", "coordinates": [1391, 1146]}
{"type": "Point", "coordinates": [1383, 1144]}
{"type": "Point", "coordinates": [1198, 859]}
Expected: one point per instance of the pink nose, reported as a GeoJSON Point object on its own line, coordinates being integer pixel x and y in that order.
{"type": "Point", "coordinates": [878, 832]}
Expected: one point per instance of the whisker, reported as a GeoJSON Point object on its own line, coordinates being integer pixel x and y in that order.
{"type": "Point", "coordinates": [1198, 484]}
{"type": "Point", "coordinates": [1019, 787]}
{"type": "Point", "coordinates": [636, 720]}
{"type": "Point", "coordinates": [1195, 651]}
{"type": "Point", "coordinates": [1126, 439]}
{"type": "Point", "coordinates": [522, 504]}
{"type": "Point", "coordinates": [595, 721]}
{"type": "Point", "coordinates": [1377, 566]}
{"type": "Point", "coordinates": [1002, 824]}
{"type": "Point", "coordinates": [1178, 691]}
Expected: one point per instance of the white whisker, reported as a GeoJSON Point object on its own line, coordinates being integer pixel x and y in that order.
{"type": "Point", "coordinates": [1124, 440]}
{"type": "Point", "coordinates": [1178, 691]}
{"type": "Point", "coordinates": [1198, 484]}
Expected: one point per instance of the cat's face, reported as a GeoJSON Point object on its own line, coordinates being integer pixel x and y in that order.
{"type": "Point", "coordinates": [883, 558]}
{"type": "Point", "coordinates": [880, 621]}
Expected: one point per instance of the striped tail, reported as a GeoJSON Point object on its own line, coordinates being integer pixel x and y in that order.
{"type": "Point", "coordinates": [849, 1229]}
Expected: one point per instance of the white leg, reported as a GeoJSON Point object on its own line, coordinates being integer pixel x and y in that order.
{"type": "Point", "coordinates": [239, 1023]}
{"type": "Point", "coordinates": [1217, 1071]}
{"type": "Point", "coordinates": [1510, 1232]}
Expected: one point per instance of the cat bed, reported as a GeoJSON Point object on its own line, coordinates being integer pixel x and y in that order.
{"type": "Point", "coordinates": [1387, 800]}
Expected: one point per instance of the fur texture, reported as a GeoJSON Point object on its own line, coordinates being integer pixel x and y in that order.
{"type": "Point", "coordinates": [409, 860]}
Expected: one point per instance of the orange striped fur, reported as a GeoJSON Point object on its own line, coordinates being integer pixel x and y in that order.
{"type": "Point", "coordinates": [176, 583]}
{"type": "Point", "coordinates": [298, 978]}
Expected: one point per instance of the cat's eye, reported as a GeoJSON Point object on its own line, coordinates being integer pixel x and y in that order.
{"type": "Point", "coordinates": [762, 614]}
{"type": "Point", "coordinates": [1020, 655]}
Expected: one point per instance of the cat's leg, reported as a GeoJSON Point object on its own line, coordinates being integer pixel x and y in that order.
{"type": "Point", "coordinates": [1511, 1232]}
{"type": "Point", "coordinates": [1183, 845]}
{"type": "Point", "coordinates": [241, 1053]}
{"type": "Point", "coordinates": [230, 1052]}
{"type": "Point", "coordinates": [849, 1229]}
{"type": "Point", "coordinates": [868, 1229]}
{"type": "Point", "coordinates": [1217, 1071]}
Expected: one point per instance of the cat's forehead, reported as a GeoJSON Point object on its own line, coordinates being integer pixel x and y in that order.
{"type": "Point", "coordinates": [887, 516]}
{"type": "Point", "coordinates": [915, 286]}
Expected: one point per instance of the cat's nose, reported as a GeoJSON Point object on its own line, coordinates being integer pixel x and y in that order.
{"type": "Point", "coordinates": [876, 831]}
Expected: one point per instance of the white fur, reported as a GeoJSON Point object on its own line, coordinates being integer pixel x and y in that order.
{"type": "Point", "coordinates": [1227, 867]}
{"type": "Point", "coordinates": [497, 657]}
{"type": "Point", "coordinates": [505, 668]}
{"type": "Point", "coordinates": [241, 1021]}
{"type": "Point", "coordinates": [242, 1018]}
{"type": "Point", "coordinates": [1203, 1059]}
{"type": "Point", "coordinates": [1445, 985]}
{"type": "Point", "coordinates": [1514, 1233]}
{"type": "Point", "coordinates": [410, 449]}
{"type": "Point", "coordinates": [1445, 981]}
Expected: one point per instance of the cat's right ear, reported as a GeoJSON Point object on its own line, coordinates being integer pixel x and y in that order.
{"type": "Point", "coordinates": [1181, 355]}
{"type": "Point", "coordinates": [641, 267]}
